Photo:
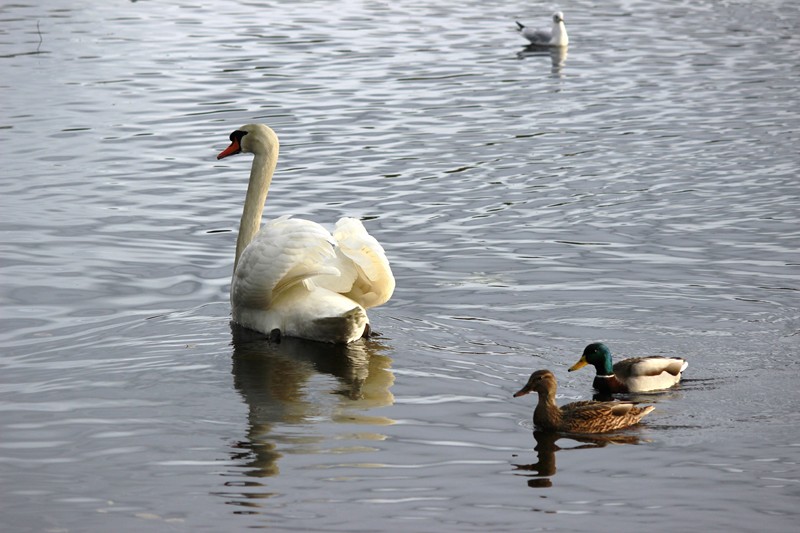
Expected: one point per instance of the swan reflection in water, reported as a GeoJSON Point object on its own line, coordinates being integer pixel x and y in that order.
{"type": "Point", "coordinates": [546, 448]}
{"type": "Point", "coordinates": [558, 55]}
{"type": "Point", "coordinates": [287, 384]}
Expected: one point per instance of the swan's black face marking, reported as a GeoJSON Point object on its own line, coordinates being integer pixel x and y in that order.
{"type": "Point", "coordinates": [237, 135]}
{"type": "Point", "coordinates": [236, 139]}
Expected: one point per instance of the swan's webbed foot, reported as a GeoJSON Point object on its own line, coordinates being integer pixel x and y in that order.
{"type": "Point", "coordinates": [275, 336]}
{"type": "Point", "coordinates": [370, 333]}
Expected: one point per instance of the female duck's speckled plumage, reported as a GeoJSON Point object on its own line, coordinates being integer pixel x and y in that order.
{"type": "Point", "coordinates": [638, 374]}
{"type": "Point", "coordinates": [578, 417]}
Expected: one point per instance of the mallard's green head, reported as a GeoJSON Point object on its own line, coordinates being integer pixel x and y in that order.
{"type": "Point", "coordinates": [598, 355]}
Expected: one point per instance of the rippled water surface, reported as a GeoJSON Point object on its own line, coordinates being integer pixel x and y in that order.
{"type": "Point", "coordinates": [642, 190]}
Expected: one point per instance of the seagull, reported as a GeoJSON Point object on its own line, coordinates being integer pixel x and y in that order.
{"type": "Point", "coordinates": [557, 36]}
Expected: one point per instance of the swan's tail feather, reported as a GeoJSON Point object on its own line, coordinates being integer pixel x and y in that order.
{"type": "Point", "coordinates": [343, 328]}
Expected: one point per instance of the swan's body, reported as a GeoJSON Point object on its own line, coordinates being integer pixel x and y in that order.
{"type": "Point", "coordinates": [578, 417]}
{"type": "Point", "coordinates": [293, 276]}
{"type": "Point", "coordinates": [637, 374]}
{"type": "Point", "coordinates": [556, 36]}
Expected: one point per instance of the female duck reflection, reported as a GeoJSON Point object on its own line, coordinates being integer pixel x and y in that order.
{"type": "Point", "coordinates": [546, 449]}
{"type": "Point", "coordinates": [277, 382]}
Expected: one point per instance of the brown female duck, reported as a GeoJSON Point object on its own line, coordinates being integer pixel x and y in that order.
{"type": "Point", "coordinates": [578, 417]}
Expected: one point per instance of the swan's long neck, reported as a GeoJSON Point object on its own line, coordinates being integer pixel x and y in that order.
{"type": "Point", "coordinates": [260, 179]}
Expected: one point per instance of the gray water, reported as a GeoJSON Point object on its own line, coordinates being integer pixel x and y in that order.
{"type": "Point", "coordinates": [643, 190]}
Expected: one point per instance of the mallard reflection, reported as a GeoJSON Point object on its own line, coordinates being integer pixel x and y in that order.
{"type": "Point", "coordinates": [646, 397]}
{"type": "Point", "coordinates": [281, 382]}
{"type": "Point", "coordinates": [546, 448]}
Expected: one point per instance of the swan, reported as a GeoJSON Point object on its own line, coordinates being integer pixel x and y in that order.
{"type": "Point", "coordinates": [557, 36]}
{"type": "Point", "coordinates": [293, 277]}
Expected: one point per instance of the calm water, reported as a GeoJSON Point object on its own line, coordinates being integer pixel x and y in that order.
{"type": "Point", "coordinates": [644, 191]}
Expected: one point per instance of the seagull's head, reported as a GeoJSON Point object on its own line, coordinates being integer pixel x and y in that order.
{"type": "Point", "coordinates": [558, 16]}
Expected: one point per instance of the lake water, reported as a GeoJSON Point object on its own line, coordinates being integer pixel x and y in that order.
{"type": "Point", "coordinates": [644, 190]}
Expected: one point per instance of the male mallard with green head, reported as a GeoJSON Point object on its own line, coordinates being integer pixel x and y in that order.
{"type": "Point", "coordinates": [638, 374]}
{"type": "Point", "coordinates": [578, 417]}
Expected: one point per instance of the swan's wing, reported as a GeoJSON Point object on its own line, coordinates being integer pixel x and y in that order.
{"type": "Point", "coordinates": [286, 251]}
{"type": "Point", "coordinates": [361, 258]}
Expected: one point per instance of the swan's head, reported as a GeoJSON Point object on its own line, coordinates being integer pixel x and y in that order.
{"type": "Point", "coordinates": [251, 138]}
{"type": "Point", "coordinates": [558, 16]}
{"type": "Point", "coordinates": [542, 381]}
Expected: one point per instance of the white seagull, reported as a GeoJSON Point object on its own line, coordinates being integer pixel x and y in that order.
{"type": "Point", "coordinates": [557, 36]}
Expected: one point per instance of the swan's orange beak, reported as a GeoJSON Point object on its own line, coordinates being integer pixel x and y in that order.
{"type": "Point", "coordinates": [234, 148]}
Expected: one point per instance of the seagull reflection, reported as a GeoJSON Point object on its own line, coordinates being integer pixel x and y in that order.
{"type": "Point", "coordinates": [277, 382]}
{"type": "Point", "coordinates": [558, 55]}
{"type": "Point", "coordinates": [546, 449]}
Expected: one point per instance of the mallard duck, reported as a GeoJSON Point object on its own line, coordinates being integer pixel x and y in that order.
{"type": "Point", "coordinates": [638, 374]}
{"type": "Point", "coordinates": [578, 417]}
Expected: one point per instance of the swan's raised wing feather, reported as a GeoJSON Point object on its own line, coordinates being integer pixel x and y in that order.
{"type": "Point", "coordinates": [360, 253]}
{"type": "Point", "coordinates": [285, 252]}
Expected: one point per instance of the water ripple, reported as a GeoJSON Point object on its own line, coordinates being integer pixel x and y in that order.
{"type": "Point", "coordinates": [641, 190]}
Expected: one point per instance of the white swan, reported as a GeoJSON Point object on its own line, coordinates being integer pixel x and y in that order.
{"type": "Point", "coordinates": [293, 277]}
{"type": "Point", "coordinates": [557, 36]}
